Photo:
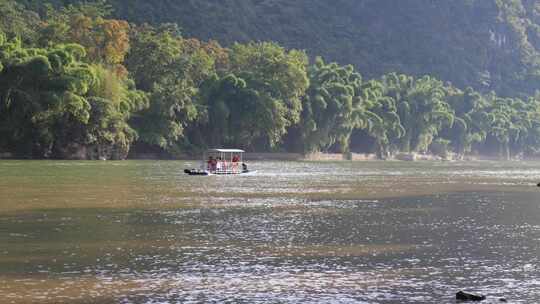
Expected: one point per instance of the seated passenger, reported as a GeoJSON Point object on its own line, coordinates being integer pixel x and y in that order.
{"type": "Point", "coordinates": [224, 165]}
{"type": "Point", "coordinates": [210, 163]}
{"type": "Point", "coordinates": [219, 165]}
{"type": "Point", "coordinates": [214, 164]}
{"type": "Point", "coordinates": [235, 161]}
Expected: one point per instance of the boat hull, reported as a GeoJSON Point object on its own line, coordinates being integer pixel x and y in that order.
{"type": "Point", "coordinates": [196, 172]}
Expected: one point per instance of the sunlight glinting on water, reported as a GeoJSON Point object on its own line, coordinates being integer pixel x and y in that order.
{"type": "Point", "coordinates": [297, 232]}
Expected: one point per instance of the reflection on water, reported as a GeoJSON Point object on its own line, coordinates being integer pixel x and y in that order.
{"type": "Point", "coordinates": [373, 232]}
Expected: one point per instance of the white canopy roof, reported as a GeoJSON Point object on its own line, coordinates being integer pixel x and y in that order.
{"type": "Point", "coordinates": [226, 150]}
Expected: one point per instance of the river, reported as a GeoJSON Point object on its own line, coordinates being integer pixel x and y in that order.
{"type": "Point", "coordinates": [292, 232]}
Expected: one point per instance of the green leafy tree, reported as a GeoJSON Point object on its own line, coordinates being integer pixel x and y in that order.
{"type": "Point", "coordinates": [331, 106]}
{"type": "Point", "coordinates": [279, 80]}
{"type": "Point", "coordinates": [470, 121]}
{"type": "Point", "coordinates": [42, 89]}
{"type": "Point", "coordinates": [171, 74]}
{"type": "Point", "coordinates": [383, 121]}
{"type": "Point", "coordinates": [16, 21]}
{"type": "Point", "coordinates": [105, 40]}
{"type": "Point", "coordinates": [233, 114]}
{"type": "Point", "coordinates": [513, 125]}
{"type": "Point", "coordinates": [55, 105]}
{"type": "Point", "coordinates": [529, 143]}
{"type": "Point", "coordinates": [424, 112]}
{"type": "Point", "coordinates": [113, 100]}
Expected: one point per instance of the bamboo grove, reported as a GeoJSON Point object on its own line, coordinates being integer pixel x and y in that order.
{"type": "Point", "coordinates": [75, 83]}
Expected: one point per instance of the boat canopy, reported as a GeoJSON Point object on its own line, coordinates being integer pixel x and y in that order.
{"type": "Point", "coordinates": [225, 151]}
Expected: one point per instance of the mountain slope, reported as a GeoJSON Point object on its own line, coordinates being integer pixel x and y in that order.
{"type": "Point", "coordinates": [488, 44]}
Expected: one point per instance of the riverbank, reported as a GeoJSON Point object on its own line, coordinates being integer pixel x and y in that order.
{"type": "Point", "coordinates": [330, 157]}
{"type": "Point", "coordinates": [316, 157]}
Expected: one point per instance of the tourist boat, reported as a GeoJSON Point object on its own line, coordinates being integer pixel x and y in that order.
{"type": "Point", "coordinates": [221, 162]}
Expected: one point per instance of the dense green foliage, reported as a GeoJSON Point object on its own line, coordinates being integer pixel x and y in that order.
{"type": "Point", "coordinates": [258, 98]}
{"type": "Point", "coordinates": [331, 108]}
{"type": "Point", "coordinates": [170, 73]}
{"type": "Point", "coordinates": [58, 101]}
{"type": "Point", "coordinates": [462, 41]}
{"type": "Point", "coordinates": [76, 83]}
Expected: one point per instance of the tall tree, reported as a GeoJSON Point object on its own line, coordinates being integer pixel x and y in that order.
{"type": "Point", "coordinates": [105, 40]}
{"type": "Point", "coordinates": [279, 78]}
{"type": "Point", "coordinates": [171, 74]}
{"type": "Point", "coordinates": [383, 121]}
{"type": "Point", "coordinates": [470, 121]}
{"type": "Point", "coordinates": [331, 106]}
{"type": "Point", "coordinates": [424, 112]}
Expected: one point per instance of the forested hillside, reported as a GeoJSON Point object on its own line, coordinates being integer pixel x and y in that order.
{"type": "Point", "coordinates": [486, 44]}
{"type": "Point", "coordinates": [80, 81]}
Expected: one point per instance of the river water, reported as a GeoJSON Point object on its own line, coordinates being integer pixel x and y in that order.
{"type": "Point", "coordinates": [292, 232]}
